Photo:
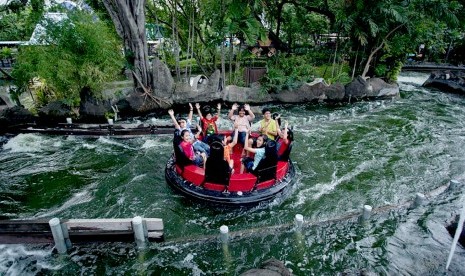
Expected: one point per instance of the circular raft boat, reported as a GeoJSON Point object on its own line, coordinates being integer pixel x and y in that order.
{"type": "Point", "coordinates": [216, 184]}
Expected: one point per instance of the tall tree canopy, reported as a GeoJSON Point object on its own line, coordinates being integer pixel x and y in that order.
{"type": "Point", "coordinates": [76, 53]}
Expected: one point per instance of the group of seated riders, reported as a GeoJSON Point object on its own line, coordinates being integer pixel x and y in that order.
{"type": "Point", "coordinates": [208, 149]}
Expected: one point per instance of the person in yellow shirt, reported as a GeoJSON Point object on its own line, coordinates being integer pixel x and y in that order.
{"type": "Point", "coordinates": [268, 125]}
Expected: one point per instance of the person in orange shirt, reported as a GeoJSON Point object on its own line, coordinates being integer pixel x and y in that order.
{"type": "Point", "coordinates": [228, 147]}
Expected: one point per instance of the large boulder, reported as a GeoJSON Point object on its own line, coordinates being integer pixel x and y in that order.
{"type": "Point", "coordinates": [12, 116]}
{"type": "Point", "coordinates": [372, 88]}
{"type": "Point", "coordinates": [54, 112]}
{"type": "Point", "coordinates": [358, 89]}
{"type": "Point", "coordinates": [142, 103]}
{"type": "Point", "coordinates": [450, 81]}
{"type": "Point", "coordinates": [382, 89]}
{"type": "Point", "coordinates": [92, 109]}
{"type": "Point", "coordinates": [5, 102]}
{"type": "Point", "coordinates": [206, 91]}
{"type": "Point", "coordinates": [233, 93]}
{"type": "Point", "coordinates": [163, 82]}
{"type": "Point", "coordinates": [314, 91]}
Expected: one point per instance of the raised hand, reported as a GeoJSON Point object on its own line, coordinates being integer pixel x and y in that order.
{"type": "Point", "coordinates": [218, 106]}
{"type": "Point", "coordinates": [247, 107]}
{"type": "Point", "coordinates": [190, 105]}
{"type": "Point", "coordinates": [197, 105]}
{"type": "Point", "coordinates": [171, 112]}
{"type": "Point", "coordinates": [234, 106]}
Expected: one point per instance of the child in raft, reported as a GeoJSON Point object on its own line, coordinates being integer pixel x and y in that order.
{"type": "Point", "coordinates": [198, 158]}
{"type": "Point", "coordinates": [228, 147]}
{"type": "Point", "coordinates": [185, 124]}
{"type": "Point", "coordinates": [209, 127]}
{"type": "Point", "coordinates": [250, 163]}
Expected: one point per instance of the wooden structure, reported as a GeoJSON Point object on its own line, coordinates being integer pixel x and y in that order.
{"type": "Point", "coordinates": [94, 130]}
{"type": "Point", "coordinates": [253, 74]}
{"type": "Point", "coordinates": [428, 67]}
{"type": "Point", "coordinates": [78, 230]}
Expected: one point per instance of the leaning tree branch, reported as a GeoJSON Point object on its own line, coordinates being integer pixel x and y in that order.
{"type": "Point", "coordinates": [379, 47]}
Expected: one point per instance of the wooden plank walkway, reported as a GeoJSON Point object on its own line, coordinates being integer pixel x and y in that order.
{"type": "Point", "coordinates": [431, 67]}
{"type": "Point", "coordinates": [79, 230]}
{"type": "Point", "coordinates": [94, 130]}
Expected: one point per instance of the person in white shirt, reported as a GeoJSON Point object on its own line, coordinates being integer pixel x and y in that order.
{"type": "Point", "coordinates": [243, 119]}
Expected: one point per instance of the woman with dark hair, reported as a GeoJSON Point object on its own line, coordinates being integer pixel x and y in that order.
{"type": "Point", "coordinates": [250, 163]}
{"type": "Point", "coordinates": [242, 119]}
{"type": "Point", "coordinates": [266, 169]}
{"type": "Point", "coordinates": [186, 144]}
{"type": "Point", "coordinates": [217, 170]}
{"type": "Point", "coordinates": [284, 142]}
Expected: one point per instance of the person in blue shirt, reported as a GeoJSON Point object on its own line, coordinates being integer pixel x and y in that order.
{"type": "Point", "coordinates": [250, 163]}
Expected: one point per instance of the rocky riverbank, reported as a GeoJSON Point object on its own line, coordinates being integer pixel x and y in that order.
{"type": "Point", "coordinates": [168, 94]}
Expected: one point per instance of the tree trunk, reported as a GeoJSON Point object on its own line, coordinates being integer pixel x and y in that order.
{"type": "Point", "coordinates": [335, 55]}
{"type": "Point", "coordinates": [375, 50]}
{"type": "Point", "coordinates": [128, 16]}
{"type": "Point", "coordinates": [176, 43]}
{"type": "Point", "coordinates": [231, 53]}
{"type": "Point", "coordinates": [279, 18]}
{"type": "Point", "coordinates": [223, 67]}
{"type": "Point", "coordinates": [355, 64]}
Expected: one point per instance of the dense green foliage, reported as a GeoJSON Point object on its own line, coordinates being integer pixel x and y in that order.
{"type": "Point", "coordinates": [373, 37]}
{"type": "Point", "coordinates": [76, 53]}
{"type": "Point", "coordinates": [333, 39]}
{"type": "Point", "coordinates": [18, 20]}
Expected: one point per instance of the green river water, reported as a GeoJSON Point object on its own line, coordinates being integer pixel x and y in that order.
{"type": "Point", "coordinates": [377, 153]}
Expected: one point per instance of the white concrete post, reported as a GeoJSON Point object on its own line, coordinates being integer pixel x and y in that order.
{"type": "Point", "coordinates": [69, 120]}
{"type": "Point", "coordinates": [138, 228]}
{"type": "Point", "coordinates": [298, 221]}
{"type": "Point", "coordinates": [224, 233]}
{"type": "Point", "coordinates": [420, 199]}
{"type": "Point", "coordinates": [57, 233]}
{"type": "Point", "coordinates": [366, 213]}
{"type": "Point", "coordinates": [68, 243]}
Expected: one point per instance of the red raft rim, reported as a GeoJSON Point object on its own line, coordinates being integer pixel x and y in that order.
{"type": "Point", "coordinates": [242, 189]}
